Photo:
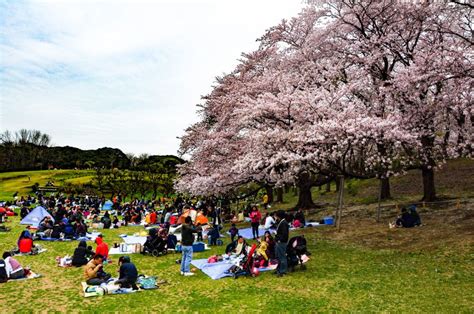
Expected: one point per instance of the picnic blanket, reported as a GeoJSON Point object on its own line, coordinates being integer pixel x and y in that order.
{"type": "Point", "coordinates": [143, 283]}
{"type": "Point", "coordinates": [219, 270]}
{"type": "Point", "coordinates": [133, 239]}
{"type": "Point", "coordinates": [89, 237]}
{"type": "Point", "coordinates": [31, 275]}
{"type": "Point", "coordinates": [247, 232]}
{"type": "Point", "coordinates": [41, 250]}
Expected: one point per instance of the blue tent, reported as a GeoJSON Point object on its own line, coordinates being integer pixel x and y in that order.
{"type": "Point", "coordinates": [107, 205]}
{"type": "Point", "coordinates": [35, 216]}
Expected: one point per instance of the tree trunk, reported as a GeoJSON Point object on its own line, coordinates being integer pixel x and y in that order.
{"type": "Point", "coordinates": [340, 203]}
{"type": "Point", "coordinates": [279, 195]}
{"type": "Point", "coordinates": [295, 191]}
{"type": "Point", "coordinates": [328, 187]}
{"type": "Point", "coordinates": [287, 189]}
{"type": "Point", "coordinates": [337, 185]}
{"type": "Point", "coordinates": [305, 199]}
{"type": "Point", "coordinates": [429, 191]}
{"type": "Point", "coordinates": [269, 191]}
{"type": "Point", "coordinates": [385, 189]}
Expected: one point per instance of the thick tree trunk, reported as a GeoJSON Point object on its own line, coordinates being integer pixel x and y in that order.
{"type": "Point", "coordinates": [328, 187]}
{"type": "Point", "coordinates": [429, 191]}
{"type": "Point", "coordinates": [305, 199]}
{"type": "Point", "coordinates": [385, 189]}
{"type": "Point", "coordinates": [269, 191]}
{"type": "Point", "coordinates": [338, 185]}
{"type": "Point", "coordinates": [279, 195]}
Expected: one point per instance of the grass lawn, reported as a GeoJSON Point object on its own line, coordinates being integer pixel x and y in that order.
{"type": "Point", "coordinates": [21, 182]}
{"type": "Point", "coordinates": [341, 276]}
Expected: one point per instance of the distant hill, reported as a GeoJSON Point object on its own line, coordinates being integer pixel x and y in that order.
{"type": "Point", "coordinates": [34, 157]}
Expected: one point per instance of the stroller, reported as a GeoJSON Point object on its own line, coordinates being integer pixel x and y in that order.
{"type": "Point", "coordinates": [295, 250]}
{"type": "Point", "coordinates": [246, 265]}
{"type": "Point", "coordinates": [155, 245]}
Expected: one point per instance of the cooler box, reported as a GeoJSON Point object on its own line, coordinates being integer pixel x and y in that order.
{"type": "Point", "coordinates": [328, 220]}
{"type": "Point", "coordinates": [199, 247]}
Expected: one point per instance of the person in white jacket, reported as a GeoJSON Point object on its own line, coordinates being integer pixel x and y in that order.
{"type": "Point", "coordinates": [269, 222]}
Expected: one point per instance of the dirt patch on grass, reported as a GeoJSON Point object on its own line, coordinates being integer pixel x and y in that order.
{"type": "Point", "coordinates": [448, 228]}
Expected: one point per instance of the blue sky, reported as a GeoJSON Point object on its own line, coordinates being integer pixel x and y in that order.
{"type": "Point", "coordinates": [123, 74]}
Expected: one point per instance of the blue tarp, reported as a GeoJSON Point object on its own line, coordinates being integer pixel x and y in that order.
{"type": "Point", "coordinates": [107, 205]}
{"type": "Point", "coordinates": [217, 270]}
{"type": "Point", "coordinates": [35, 216]}
{"type": "Point", "coordinates": [247, 232]}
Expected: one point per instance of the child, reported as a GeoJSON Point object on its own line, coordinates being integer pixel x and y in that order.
{"type": "Point", "coordinates": [233, 232]}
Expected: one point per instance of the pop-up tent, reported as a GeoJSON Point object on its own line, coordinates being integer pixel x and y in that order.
{"type": "Point", "coordinates": [35, 216]}
{"type": "Point", "coordinates": [196, 216]}
{"type": "Point", "coordinates": [107, 205]}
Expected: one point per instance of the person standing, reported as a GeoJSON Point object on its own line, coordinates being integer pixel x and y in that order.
{"type": "Point", "coordinates": [255, 217]}
{"type": "Point", "coordinates": [281, 240]}
{"type": "Point", "coordinates": [187, 240]}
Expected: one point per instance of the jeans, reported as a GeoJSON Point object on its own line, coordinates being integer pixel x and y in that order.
{"type": "Point", "coordinates": [18, 274]}
{"type": "Point", "coordinates": [186, 259]}
{"type": "Point", "coordinates": [280, 253]}
{"type": "Point", "coordinates": [255, 229]}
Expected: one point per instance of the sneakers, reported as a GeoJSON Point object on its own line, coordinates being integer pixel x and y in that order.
{"type": "Point", "coordinates": [182, 273]}
{"type": "Point", "coordinates": [188, 274]}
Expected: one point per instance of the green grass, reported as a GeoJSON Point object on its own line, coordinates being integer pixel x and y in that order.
{"type": "Point", "coordinates": [339, 277]}
{"type": "Point", "coordinates": [22, 182]}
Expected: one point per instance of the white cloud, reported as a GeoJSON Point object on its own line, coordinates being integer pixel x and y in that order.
{"type": "Point", "coordinates": [123, 74]}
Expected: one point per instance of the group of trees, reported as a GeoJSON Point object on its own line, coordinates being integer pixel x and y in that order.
{"type": "Point", "coordinates": [148, 174]}
{"type": "Point", "coordinates": [347, 89]}
{"type": "Point", "coordinates": [31, 150]}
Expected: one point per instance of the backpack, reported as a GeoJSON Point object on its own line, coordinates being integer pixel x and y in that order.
{"type": "Point", "coordinates": [3, 271]}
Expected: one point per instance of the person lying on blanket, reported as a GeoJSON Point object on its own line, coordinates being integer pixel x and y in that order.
{"type": "Point", "coordinates": [94, 273]}
{"type": "Point", "coordinates": [82, 254]}
{"type": "Point", "coordinates": [128, 273]}
{"type": "Point", "coordinates": [13, 267]}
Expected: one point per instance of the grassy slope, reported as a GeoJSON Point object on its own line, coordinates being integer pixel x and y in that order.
{"type": "Point", "coordinates": [366, 267]}
{"type": "Point", "coordinates": [21, 182]}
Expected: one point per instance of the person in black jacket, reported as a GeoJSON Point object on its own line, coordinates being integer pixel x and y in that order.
{"type": "Point", "coordinates": [128, 273]}
{"type": "Point", "coordinates": [281, 240]}
{"type": "Point", "coordinates": [82, 254]}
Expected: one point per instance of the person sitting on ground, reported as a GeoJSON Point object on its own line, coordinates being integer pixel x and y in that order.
{"type": "Point", "coordinates": [106, 220]}
{"type": "Point", "coordinates": [153, 217]}
{"type": "Point", "coordinates": [234, 232]}
{"type": "Point", "coordinates": [240, 216]}
{"type": "Point", "coordinates": [405, 220]}
{"type": "Point", "coordinates": [46, 226]}
{"type": "Point", "coordinates": [94, 273]}
{"type": "Point", "coordinates": [57, 229]}
{"type": "Point", "coordinates": [81, 228]}
{"type": "Point", "coordinates": [269, 222]}
{"type": "Point", "coordinates": [69, 230]}
{"type": "Point", "coordinates": [238, 247]}
{"type": "Point", "coordinates": [25, 242]}
{"type": "Point", "coordinates": [12, 267]}
{"type": "Point", "coordinates": [270, 245]}
{"type": "Point", "coordinates": [415, 216]}
{"type": "Point", "coordinates": [102, 247]}
{"type": "Point", "coordinates": [300, 217]}
{"type": "Point", "coordinates": [262, 248]}
{"type": "Point", "coordinates": [128, 273]}
{"type": "Point", "coordinates": [82, 254]}
{"type": "Point", "coordinates": [115, 222]}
